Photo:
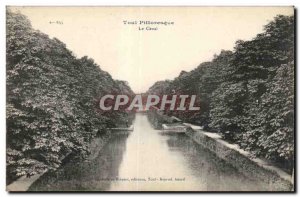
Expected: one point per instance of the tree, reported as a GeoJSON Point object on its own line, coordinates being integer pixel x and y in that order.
{"type": "Point", "coordinates": [247, 95]}
{"type": "Point", "coordinates": [51, 100]}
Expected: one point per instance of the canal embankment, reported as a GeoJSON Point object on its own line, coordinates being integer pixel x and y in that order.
{"type": "Point", "coordinates": [95, 146]}
{"type": "Point", "coordinates": [247, 164]}
{"type": "Point", "coordinates": [243, 161]}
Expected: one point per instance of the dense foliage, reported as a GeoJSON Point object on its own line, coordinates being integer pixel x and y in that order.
{"type": "Point", "coordinates": [52, 100]}
{"type": "Point", "coordinates": [247, 95]}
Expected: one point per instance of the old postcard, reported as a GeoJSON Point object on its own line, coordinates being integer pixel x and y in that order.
{"type": "Point", "coordinates": [134, 99]}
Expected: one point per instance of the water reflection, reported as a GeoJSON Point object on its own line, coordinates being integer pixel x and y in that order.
{"type": "Point", "coordinates": [216, 174]}
{"type": "Point", "coordinates": [156, 155]}
{"type": "Point", "coordinates": [87, 175]}
{"type": "Point", "coordinates": [149, 160]}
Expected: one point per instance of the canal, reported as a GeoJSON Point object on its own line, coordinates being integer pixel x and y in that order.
{"type": "Point", "coordinates": [148, 160]}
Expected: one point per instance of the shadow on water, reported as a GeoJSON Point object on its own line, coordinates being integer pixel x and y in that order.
{"type": "Point", "coordinates": [86, 175]}
{"type": "Point", "coordinates": [215, 173]}
{"type": "Point", "coordinates": [211, 172]}
{"type": "Point", "coordinates": [149, 160]}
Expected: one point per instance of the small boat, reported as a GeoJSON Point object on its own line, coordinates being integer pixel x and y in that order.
{"type": "Point", "coordinates": [131, 128]}
{"type": "Point", "coordinates": [176, 128]}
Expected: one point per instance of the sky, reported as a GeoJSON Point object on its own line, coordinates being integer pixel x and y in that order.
{"type": "Point", "coordinates": [142, 57]}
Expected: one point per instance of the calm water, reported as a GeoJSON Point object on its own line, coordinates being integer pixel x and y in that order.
{"type": "Point", "coordinates": [148, 159]}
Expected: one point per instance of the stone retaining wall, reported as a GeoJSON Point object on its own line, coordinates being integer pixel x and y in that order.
{"type": "Point", "coordinates": [253, 168]}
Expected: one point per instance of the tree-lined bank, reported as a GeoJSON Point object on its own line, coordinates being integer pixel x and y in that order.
{"type": "Point", "coordinates": [246, 94]}
{"type": "Point", "coordinates": [52, 100]}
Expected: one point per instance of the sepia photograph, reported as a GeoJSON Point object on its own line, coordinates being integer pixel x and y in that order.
{"type": "Point", "coordinates": [150, 99]}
